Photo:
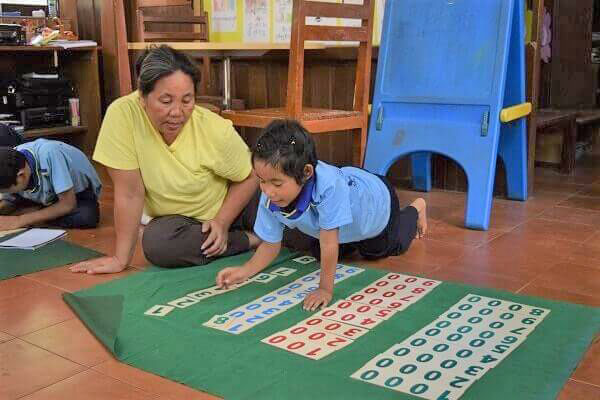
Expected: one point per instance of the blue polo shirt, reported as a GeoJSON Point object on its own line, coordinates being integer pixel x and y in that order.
{"type": "Point", "coordinates": [56, 168]}
{"type": "Point", "coordinates": [350, 199]}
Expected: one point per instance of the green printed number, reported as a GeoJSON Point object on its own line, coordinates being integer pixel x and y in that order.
{"type": "Point", "coordinates": [368, 375]}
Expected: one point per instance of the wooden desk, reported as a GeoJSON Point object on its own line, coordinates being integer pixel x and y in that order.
{"type": "Point", "coordinates": [80, 65]}
{"type": "Point", "coordinates": [226, 50]}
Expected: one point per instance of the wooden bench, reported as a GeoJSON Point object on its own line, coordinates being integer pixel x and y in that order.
{"type": "Point", "coordinates": [571, 122]}
{"type": "Point", "coordinates": [565, 120]}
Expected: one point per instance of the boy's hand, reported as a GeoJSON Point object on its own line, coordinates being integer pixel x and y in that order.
{"type": "Point", "coordinates": [318, 298]}
{"type": "Point", "coordinates": [230, 275]}
{"type": "Point", "coordinates": [8, 223]}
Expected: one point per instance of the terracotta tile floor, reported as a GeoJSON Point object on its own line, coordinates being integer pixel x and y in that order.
{"type": "Point", "coordinates": [548, 246]}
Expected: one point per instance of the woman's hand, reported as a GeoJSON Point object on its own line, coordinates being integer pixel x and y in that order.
{"type": "Point", "coordinates": [102, 265]}
{"type": "Point", "coordinates": [231, 275]}
{"type": "Point", "coordinates": [216, 242]}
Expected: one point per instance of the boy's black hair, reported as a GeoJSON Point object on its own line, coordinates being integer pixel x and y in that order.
{"type": "Point", "coordinates": [286, 145]}
{"type": "Point", "coordinates": [11, 162]}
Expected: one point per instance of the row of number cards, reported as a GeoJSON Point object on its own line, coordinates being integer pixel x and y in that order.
{"type": "Point", "coordinates": [161, 310]}
{"type": "Point", "coordinates": [262, 309]}
{"type": "Point", "coordinates": [442, 360]}
{"type": "Point", "coordinates": [338, 325]}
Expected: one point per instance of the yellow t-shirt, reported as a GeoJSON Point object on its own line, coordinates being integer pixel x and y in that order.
{"type": "Point", "coordinates": [191, 176]}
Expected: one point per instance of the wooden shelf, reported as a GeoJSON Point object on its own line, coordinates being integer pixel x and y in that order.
{"type": "Point", "coordinates": [80, 66]}
{"type": "Point", "coordinates": [42, 49]}
{"type": "Point", "coordinates": [54, 131]}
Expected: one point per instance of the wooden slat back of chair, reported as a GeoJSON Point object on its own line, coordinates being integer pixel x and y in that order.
{"type": "Point", "coordinates": [163, 3]}
{"type": "Point", "coordinates": [148, 26]}
{"type": "Point", "coordinates": [143, 22]}
{"type": "Point", "coordinates": [153, 27]}
{"type": "Point", "coordinates": [302, 32]}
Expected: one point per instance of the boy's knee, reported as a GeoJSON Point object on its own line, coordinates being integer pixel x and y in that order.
{"type": "Point", "coordinates": [87, 218]}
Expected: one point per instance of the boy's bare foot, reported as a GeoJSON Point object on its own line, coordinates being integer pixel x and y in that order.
{"type": "Point", "coordinates": [421, 207]}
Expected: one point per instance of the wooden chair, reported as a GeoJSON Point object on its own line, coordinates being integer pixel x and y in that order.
{"type": "Point", "coordinates": [322, 120]}
{"type": "Point", "coordinates": [147, 26]}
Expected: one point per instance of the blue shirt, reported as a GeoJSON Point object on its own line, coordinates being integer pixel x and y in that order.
{"type": "Point", "coordinates": [350, 199]}
{"type": "Point", "coordinates": [56, 167]}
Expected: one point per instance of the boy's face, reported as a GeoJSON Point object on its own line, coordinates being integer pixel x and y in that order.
{"type": "Point", "coordinates": [22, 182]}
{"type": "Point", "coordinates": [280, 188]}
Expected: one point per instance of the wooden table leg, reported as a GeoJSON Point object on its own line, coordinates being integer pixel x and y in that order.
{"type": "Point", "coordinates": [568, 149]}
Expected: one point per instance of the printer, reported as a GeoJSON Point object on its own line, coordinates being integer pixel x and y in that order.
{"type": "Point", "coordinates": [12, 35]}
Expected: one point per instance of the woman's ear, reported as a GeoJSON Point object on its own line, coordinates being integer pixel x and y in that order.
{"type": "Point", "coordinates": [307, 172]}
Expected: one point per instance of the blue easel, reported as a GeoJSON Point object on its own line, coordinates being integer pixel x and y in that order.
{"type": "Point", "coordinates": [451, 80]}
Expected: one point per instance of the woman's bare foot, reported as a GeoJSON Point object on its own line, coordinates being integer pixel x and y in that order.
{"type": "Point", "coordinates": [421, 207]}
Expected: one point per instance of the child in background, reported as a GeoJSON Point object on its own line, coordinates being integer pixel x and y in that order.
{"type": "Point", "coordinates": [51, 174]}
{"type": "Point", "coordinates": [338, 206]}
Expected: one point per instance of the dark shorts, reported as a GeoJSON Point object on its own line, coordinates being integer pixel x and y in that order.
{"type": "Point", "coordinates": [175, 240]}
{"type": "Point", "coordinates": [395, 238]}
{"type": "Point", "coordinates": [86, 214]}
{"type": "Point", "coordinates": [398, 234]}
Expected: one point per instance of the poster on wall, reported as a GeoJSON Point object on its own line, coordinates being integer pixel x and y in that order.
{"type": "Point", "coordinates": [224, 16]}
{"type": "Point", "coordinates": [282, 20]}
{"type": "Point", "coordinates": [256, 21]}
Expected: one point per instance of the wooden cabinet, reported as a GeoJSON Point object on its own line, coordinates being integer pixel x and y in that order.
{"type": "Point", "coordinates": [80, 65]}
{"type": "Point", "coordinates": [567, 81]}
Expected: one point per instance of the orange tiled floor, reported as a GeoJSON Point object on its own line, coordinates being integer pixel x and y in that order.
{"type": "Point", "coordinates": [548, 246]}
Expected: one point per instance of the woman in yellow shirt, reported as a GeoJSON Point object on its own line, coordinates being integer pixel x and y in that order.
{"type": "Point", "coordinates": [185, 165]}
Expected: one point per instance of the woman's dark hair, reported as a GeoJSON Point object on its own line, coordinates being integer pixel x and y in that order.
{"type": "Point", "coordinates": [286, 145]}
{"type": "Point", "coordinates": [11, 162]}
{"type": "Point", "coordinates": [156, 63]}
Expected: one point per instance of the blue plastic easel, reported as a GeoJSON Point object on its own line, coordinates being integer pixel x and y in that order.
{"type": "Point", "coordinates": [451, 80]}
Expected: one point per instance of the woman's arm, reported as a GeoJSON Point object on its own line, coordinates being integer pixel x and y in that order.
{"type": "Point", "coordinates": [128, 208]}
{"type": "Point", "coordinates": [238, 196]}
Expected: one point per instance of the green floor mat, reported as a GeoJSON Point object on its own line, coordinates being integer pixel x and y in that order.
{"type": "Point", "coordinates": [177, 346]}
{"type": "Point", "coordinates": [21, 262]}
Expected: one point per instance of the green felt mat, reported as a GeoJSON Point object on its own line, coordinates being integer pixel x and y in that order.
{"type": "Point", "coordinates": [178, 347]}
{"type": "Point", "coordinates": [55, 254]}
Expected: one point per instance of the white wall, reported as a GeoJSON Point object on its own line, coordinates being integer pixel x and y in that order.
{"type": "Point", "coordinates": [26, 2]}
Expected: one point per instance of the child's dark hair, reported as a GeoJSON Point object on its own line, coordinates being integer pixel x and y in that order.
{"type": "Point", "coordinates": [11, 162]}
{"type": "Point", "coordinates": [286, 145]}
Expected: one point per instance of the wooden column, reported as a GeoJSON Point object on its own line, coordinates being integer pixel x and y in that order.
{"type": "Point", "coordinates": [533, 86]}
{"type": "Point", "coordinates": [114, 50]}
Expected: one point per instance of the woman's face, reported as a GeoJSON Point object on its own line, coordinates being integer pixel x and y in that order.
{"type": "Point", "coordinates": [171, 103]}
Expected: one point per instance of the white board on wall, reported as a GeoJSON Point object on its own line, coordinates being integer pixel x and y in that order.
{"type": "Point", "coordinates": [43, 3]}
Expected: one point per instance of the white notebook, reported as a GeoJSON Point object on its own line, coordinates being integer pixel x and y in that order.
{"type": "Point", "coordinates": [33, 239]}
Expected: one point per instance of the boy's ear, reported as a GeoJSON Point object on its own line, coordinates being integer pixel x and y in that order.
{"type": "Point", "coordinates": [21, 176]}
{"type": "Point", "coordinates": [308, 172]}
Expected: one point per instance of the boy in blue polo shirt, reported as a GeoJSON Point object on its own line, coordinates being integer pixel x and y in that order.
{"type": "Point", "coordinates": [344, 208]}
{"type": "Point", "coordinates": [53, 175]}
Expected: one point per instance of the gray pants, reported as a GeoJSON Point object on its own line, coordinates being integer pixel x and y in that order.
{"type": "Point", "coordinates": [175, 240]}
